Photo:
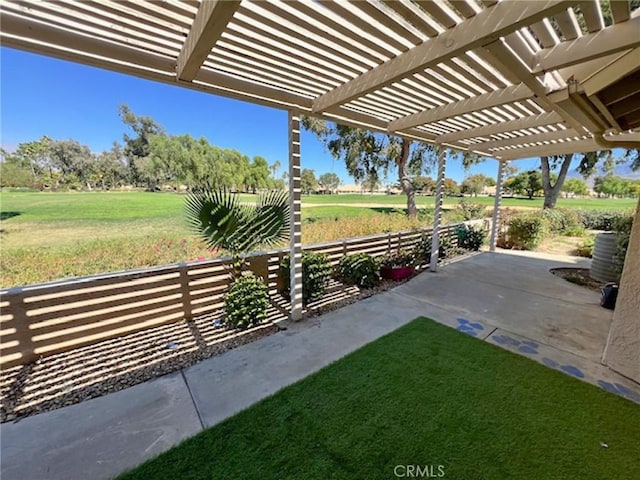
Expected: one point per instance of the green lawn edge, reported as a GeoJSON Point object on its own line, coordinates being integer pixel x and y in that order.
{"type": "Point", "coordinates": [424, 395]}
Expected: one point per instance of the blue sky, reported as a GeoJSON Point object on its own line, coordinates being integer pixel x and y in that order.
{"type": "Point", "coordinates": [46, 96]}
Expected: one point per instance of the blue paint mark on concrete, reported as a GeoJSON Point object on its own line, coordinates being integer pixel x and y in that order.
{"type": "Point", "coordinates": [505, 340]}
{"type": "Point", "coordinates": [572, 370]}
{"type": "Point", "coordinates": [619, 389]}
{"type": "Point", "coordinates": [527, 349]}
{"type": "Point", "coordinates": [469, 327]}
{"type": "Point", "coordinates": [627, 392]}
{"type": "Point", "coordinates": [531, 344]}
{"type": "Point", "coordinates": [549, 362]}
{"type": "Point", "coordinates": [609, 387]}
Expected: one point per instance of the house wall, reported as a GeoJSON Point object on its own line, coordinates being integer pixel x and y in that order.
{"type": "Point", "coordinates": [622, 352]}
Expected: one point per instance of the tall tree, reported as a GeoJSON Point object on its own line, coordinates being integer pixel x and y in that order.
{"type": "Point", "coordinates": [308, 181]}
{"type": "Point", "coordinates": [329, 182]}
{"type": "Point", "coordinates": [136, 148]}
{"type": "Point", "coordinates": [474, 184]}
{"type": "Point", "coordinates": [527, 183]}
{"type": "Point", "coordinates": [73, 161]}
{"type": "Point", "coordinates": [258, 177]}
{"type": "Point", "coordinates": [368, 154]}
{"type": "Point", "coordinates": [424, 185]}
{"type": "Point", "coordinates": [575, 186]}
{"type": "Point", "coordinates": [450, 187]}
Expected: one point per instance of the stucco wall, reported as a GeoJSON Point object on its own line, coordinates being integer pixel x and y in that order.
{"type": "Point", "coordinates": [622, 352]}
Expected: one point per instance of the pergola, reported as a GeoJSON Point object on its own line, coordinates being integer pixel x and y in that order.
{"type": "Point", "coordinates": [505, 79]}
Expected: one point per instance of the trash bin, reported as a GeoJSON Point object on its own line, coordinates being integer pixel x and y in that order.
{"type": "Point", "coordinates": [609, 295]}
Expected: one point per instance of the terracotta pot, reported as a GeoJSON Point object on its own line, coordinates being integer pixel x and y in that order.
{"type": "Point", "coordinates": [396, 273]}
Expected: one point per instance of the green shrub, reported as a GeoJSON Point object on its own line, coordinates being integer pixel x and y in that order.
{"type": "Point", "coordinates": [506, 214]}
{"type": "Point", "coordinates": [585, 249]}
{"type": "Point", "coordinates": [448, 247]}
{"type": "Point", "coordinates": [422, 250]}
{"type": "Point", "coordinates": [601, 219]}
{"type": "Point", "coordinates": [316, 272]}
{"type": "Point", "coordinates": [471, 211]}
{"type": "Point", "coordinates": [400, 258]}
{"type": "Point", "coordinates": [359, 269]}
{"type": "Point", "coordinates": [622, 226]}
{"type": "Point", "coordinates": [247, 301]}
{"type": "Point", "coordinates": [470, 238]}
{"type": "Point", "coordinates": [563, 221]}
{"type": "Point", "coordinates": [526, 232]}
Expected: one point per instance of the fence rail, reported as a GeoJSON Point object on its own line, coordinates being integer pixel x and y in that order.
{"type": "Point", "coordinates": [40, 320]}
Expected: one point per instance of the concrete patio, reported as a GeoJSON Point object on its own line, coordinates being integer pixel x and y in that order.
{"type": "Point", "coordinates": [509, 299]}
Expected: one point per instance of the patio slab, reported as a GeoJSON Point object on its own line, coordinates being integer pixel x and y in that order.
{"type": "Point", "coordinates": [517, 293]}
{"type": "Point", "coordinates": [508, 300]}
{"type": "Point", "coordinates": [565, 362]}
{"type": "Point", "coordinates": [102, 437]}
{"type": "Point", "coordinates": [225, 384]}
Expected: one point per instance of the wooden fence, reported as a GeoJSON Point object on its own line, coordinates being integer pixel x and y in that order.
{"type": "Point", "coordinates": [40, 320]}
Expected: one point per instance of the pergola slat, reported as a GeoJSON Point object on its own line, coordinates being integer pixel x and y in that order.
{"type": "Point", "coordinates": [440, 69]}
{"type": "Point", "coordinates": [437, 12]}
{"type": "Point", "coordinates": [609, 40]}
{"type": "Point", "coordinates": [592, 15]}
{"type": "Point", "coordinates": [526, 140]}
{"type": "Point", "coordinates": [568, 25]}
{"type": "Point", "coordinates": [498, 97]}
{"type": "Point", "coordinates": [620, 10]}
{"type": "Point", "coordinates": [463, 7]}
{"type": "Point", "coordinates": [481, 29]}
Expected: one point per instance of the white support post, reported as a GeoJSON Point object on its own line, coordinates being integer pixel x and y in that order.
{"type": "Point", "coordinates": [295, 242]}
{"type": "Point", "coordinates": [437, 216]}
{"type": "Point", "coordinates": [496, 206]}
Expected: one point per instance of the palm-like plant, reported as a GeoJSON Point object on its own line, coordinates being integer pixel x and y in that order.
{"type": "Point", "coordinates": [218, 217]}
{"type": "Point", "coordinates": [223, 222]}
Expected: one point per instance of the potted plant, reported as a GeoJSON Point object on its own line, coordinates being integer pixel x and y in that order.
{"type": "Point", "coordinates": [398, 265]}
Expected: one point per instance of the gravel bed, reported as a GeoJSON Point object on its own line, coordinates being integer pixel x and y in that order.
{"type": "Point", "coordinates": [88, 372]}
{"type": "Point", "coordinates": [578, 276]}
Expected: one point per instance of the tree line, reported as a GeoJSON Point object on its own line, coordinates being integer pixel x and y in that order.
{"type": "Point", "coordinates": [148, 157]}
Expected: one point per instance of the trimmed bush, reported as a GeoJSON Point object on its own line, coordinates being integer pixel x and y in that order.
{"type": "Point", "coordinates": [563, 221]}
{"type": "Point", "coordinates": [526, 232]}
{"type": "Point", "coordinates": [471, 211]}
{"type": "Point", "coordinates": [622, 226]}
{"type": "Point", "coordinates": [422, 250]}
{"type": "Point", "coordinates": [601, 219]}
{"type": "Point", "coordinates": [359, 269]}
{"type": "Point", "coordinates": [316, 272]}
{"type": "Point", "coordinates": [470, 238]}
{"type": "Point", "coordinates": [585, 249]}
{"type": "Point", "coordinates": [247, 301]}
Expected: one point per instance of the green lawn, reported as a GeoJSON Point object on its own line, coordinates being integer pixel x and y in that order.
{"type": "Point", "coordinates": [424, 395]}
{"type": "Point", "coordinates": [51, 235]}
{"type": "Point", "coordinates": [428, 201]}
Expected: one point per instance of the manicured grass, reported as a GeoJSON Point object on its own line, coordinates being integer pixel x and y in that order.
{"type": "Point", "coordinates": [424, 395]}
{"type": "Point", "coordinates": [427, 201]}
{"type": "Point", "coordinates": [51, 235]}
{"type": "Point", "coordinates": [335, 211]}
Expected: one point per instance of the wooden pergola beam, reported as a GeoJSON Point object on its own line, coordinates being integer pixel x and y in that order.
{"type": "Point", "coordinates": [510, 94]}
{"type": "Point", "coordinates": [613, 39]}
{"type": "Point", "coordinates": [96, 52]}
{"type": "Point", "coordinates": [579, 146]}
{"type": "Point", "coordinates": [614, 71]}
{"type": "Point", "coordinates": [503, 127]}
{"type": "Point", "coordinates": [487, 26]}
{"type": "Point", "coordinates": [507, 61]}
{"type": "Point", "coordinates": [210, 21]}
{"type": "Point", "coordinates": [526, 139]}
